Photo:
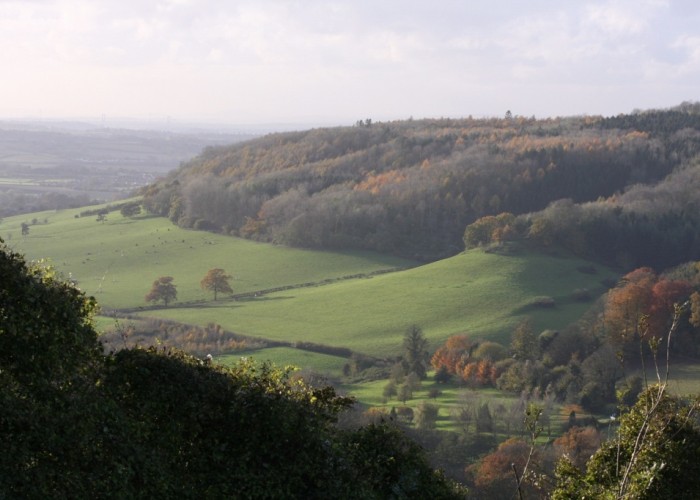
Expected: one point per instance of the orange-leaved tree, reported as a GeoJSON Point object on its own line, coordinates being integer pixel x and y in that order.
{"type": "Point", "coordinates": [216, 281]}
{"type": "Point", "coordinates": [162, 289]}
{"type": "Point", "coordinates": [664, 294]}
{"type": "Point", "coordinates": [641, 294]}
{"type": "Point", "coordinates": [453, 354]}
{"type": "Point", "coordinates": [578, 443]}
{"type": "Point", "coordinates": [494, 475]}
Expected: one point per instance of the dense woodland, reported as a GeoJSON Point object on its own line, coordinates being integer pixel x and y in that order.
{"type": "Point", "coordinates": [598, 186]}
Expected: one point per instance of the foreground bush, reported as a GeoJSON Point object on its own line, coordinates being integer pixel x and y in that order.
{"type": "Point", "coordinates": [148, 423]}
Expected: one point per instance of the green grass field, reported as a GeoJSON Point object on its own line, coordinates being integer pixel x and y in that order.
{"type": "Point", "coordinates": [476, 292]}
{"type": "Point", "coordinates": [451, 399]}
{"type": "Point", "coordinates": [286, 356]}
{"type": "Point", "coordinates": [683, 379]}
{"type": "Point", "coordinates": [484, 294]}
{"type": "Point", "coordinates": [116, 261]}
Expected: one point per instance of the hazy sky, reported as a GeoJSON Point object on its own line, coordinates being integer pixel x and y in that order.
{"type": "Point", "coordinates": [333, 62]}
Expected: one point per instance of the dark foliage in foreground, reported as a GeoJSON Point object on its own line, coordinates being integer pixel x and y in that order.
{"type": "Point", "coordinates": [75, 423]}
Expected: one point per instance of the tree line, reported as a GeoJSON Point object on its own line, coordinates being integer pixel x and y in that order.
{"type": "Point", "coordinates": [411, 187]}
{"type": "Point", "coordinates": [656, 226]}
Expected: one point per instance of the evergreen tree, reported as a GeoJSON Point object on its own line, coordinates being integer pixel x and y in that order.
{"type": "Point", "coordinates": [524, 342]}
{"type": "Point", "coordinates": [415, 347]}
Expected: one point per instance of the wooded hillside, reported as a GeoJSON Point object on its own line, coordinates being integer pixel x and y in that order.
{"type": "Point", "coordinates": [411, 187]}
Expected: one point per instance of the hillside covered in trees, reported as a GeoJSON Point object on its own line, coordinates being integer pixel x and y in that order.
{"type": "Point", "coordinates": [599, 186]}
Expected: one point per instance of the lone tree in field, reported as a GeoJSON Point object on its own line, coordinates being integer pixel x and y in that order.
{"type": "Point", "coordinates": [216, 281]}
{"type": "Point", "coordinates": [162, 289]}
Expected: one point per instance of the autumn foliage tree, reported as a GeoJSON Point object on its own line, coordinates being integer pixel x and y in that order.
{"type": "Point", "coordinates": [453, 354]}
{"type": "Point", "coordinates": [578, 444]}
{"type": "Point", "coordinates": [216, 281]}
{"type": "Point", "coordinates": [642, 294]}
{"type": "Point", "coordinates": [162, 289]}
{"type": "Point", "coordinates": [627, 303]}
{"type": "Point", "coordinates": [474, 363]}
{"type": "Point", "coordinates": [664, 294]}
{"type": "Point", "coordinates": [493, 476]}
{"type": "Point", "coordinates": [489, 229]}
{"type": "Point", "coordinates": [695, 309]}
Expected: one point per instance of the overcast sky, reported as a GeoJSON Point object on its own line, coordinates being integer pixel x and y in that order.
{"type": "Point", "coordinates": [324, 62]}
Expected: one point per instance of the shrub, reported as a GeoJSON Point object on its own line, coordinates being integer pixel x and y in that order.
{"type": "Point", "coordinates": [543, 302]}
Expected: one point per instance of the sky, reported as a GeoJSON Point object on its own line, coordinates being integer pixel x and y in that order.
{"type": "Point", "coordinates": [326, 62]}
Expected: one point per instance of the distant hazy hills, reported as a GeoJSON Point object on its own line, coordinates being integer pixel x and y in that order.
{"type": "Point", "coordinates": [54, 165]}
